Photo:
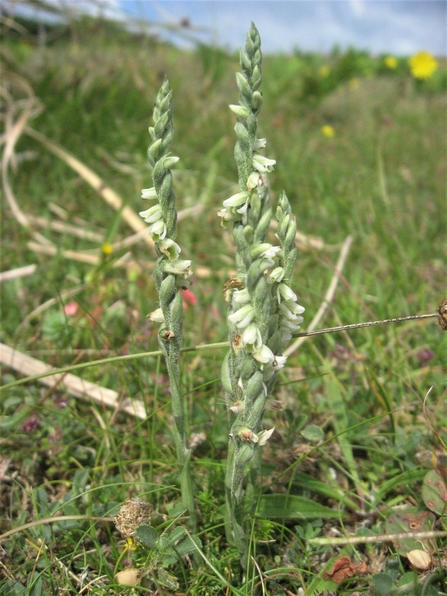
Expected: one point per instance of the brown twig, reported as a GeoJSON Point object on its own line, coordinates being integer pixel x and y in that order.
{"type": "Point", "coordinates": [367, 324]}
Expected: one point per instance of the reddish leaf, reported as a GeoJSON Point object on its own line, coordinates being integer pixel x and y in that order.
{"type": "Point", "coordinates": [344, 568]}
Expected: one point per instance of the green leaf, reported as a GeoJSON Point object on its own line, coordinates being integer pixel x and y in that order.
{"type": "Point", "coordinates": [434, 492]}
{"type": "Point", "coordinates": [69, 509]}
{"type": "Point", "coordinates": [382, 583]}
{"type": "Point", "coordinates": [167, 579]}
{"type": "Point", "coordinates": [293, 507]}
{"type": "Point", "coordinates": [404, 479]}
{"type": "Point", "coordinates": [189, 544]}
{"type": "Point", "coordinates": [80, 480]}
{"type": "Point", "coordinates": [176, 535]}
{"type": "Point", "coordinates": [37, 587]}
{"type": "Point", "coordinates": [312, 432]}
{"type": "Point", "coordinates": [13, 588]}
{"type": "Point", "coordinates": [411, 520]}
{"type": "Point", "coordinates": [147, 535]}
{"type": "Point", "coordinates": [327, 489]}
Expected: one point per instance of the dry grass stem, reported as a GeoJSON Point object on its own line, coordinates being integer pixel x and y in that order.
{"type": "Point", "coordinates": [328, 297]}
{"type": "Point", "coordinates": [73, 385]}
{"type": "Point", "coordinates": [19, 272]}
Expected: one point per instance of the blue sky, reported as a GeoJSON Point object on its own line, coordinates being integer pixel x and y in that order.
{"type": "Point", "coordinates": [399, 27]}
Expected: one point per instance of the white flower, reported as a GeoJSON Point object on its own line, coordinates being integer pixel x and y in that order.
{"type": "Point", "coordinates": [240, 111]}
{"type": "Point", "coordinates": [242, 317]}
{"type": "Point", "coordinates": [263, 354]}
{"type": "Point", "coordinates": [236, 200]}
{"type": "Point", "coordinates": [241, 296]}
{"type": "Point", "coordinates": [149, 193]}
{"type": "Point", "coordinates": [237, 407]}
{"type": "Point", "coordinates": [157, 316]}
{"type": "Point", "coordinates": [255, 180]}
{"type": "Point", "coordinates": [259, 144]}
{"type": "Point", "coordinates": [251, 335]}
{"type": "Point", "coordinates": [263, 164]}
{"type": "Point", "coordinates": [152, 214]}
{"type": "Point", "coordinates": [226, 216]}
{"type": "Point", "coordinates": [237, 203]}
{"type": "Point", "coordinates": [291, 310]}
{"type": "Point", "coordinates": [291, 325]}
{"type": "Point", "coordinates": [272, 367]}
{"type": "Point", "coordinates": [283, 291]}
{"type": "Point", "coordinates": [276, 275]}
{"type": "Point", "coordinates": [170, 248]}
{"type": "Point", "coordinates": [264, 251]}
{"type": "Point", "coordinates": [279, 362]}
{"type": "Point", "coordinates": [178, 267]}
{"type": "Point", "coordinates": [158, 230]}
{"type": "Point", "coordinates": [264, 436]}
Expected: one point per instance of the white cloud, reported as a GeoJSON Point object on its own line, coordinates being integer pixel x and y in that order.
{"type": "Point", "coordinates": [396, 26]}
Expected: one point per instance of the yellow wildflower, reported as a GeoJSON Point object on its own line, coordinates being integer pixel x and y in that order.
{"type": "Point", "coordinates": [107, 249]}
{"type": "Point", "coordinates": [391, 62]}
{"type": "Point", "coordinates": [328, 131]}
{"type": "Point", "coordinates": [325, 71]}
{"type": "Point", "coordinates": [422, 65]}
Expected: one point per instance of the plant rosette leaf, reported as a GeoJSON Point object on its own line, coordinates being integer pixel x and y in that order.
{"type": "Point", "coordinates": [146, 535]}
{"type": "Point", "coordinates": [313, 433]}
{"type": "Point", "coordinates": [410, 521]}
{"type": "Point", "coordinates": [434, 491]}
{"type": "Point", "coordinates": [382, 584]}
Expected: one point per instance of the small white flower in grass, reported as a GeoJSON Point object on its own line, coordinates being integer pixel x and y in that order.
{"type": "Point", "coordinates": [178, 267]}
{"type": "Point", "coordinates": [251, 335]}
{"type": "Point", "coordinates": [243, 317]}
{"type": "Point", "coordinates": [291, 310]}
{"type": "Point", "coordinates": [157, 316]}
{"type": "Point", "coordinates": [276, 275]}
{"type": "Point", "coordinates": [283, 291]}
{"type": "Point", "coordinates": [149, 193]}
{"type": "Point", "coordinates": [255, 180]}
{"type": "Point", "coordinates": [226, 216]}
{"type": "Point", "coordinates": [158, 230]}
{"type": "Point", "coordinates": [237, 203]}
{"type": "Point", "coordinates": [263, 354]}
{"type": "Point", "coordinates": [264, 251]}
{"type": "Point", "coordinates": [263, 164]}
{"type": "Point", "coordinates": [169, 248]}
{"type": "Point", "coordinates": [279, 362]}
{"type": "Point", "coordinates": [241, 296]}
{"type": "Point", "coordinates": [264, 436]}
{"type": "Point", "coordinates": [152, 214]}
{"type": "Point", "coordinates": [290, 326]}
{"type": "Point", "coordinates": [240, 111]}
{"type": "Point", "coordinates": [237, 407]}
{"type": "Point", "coordinates": [236, 200]}
{"type": "Point", "coordinates": [271, 368]}
{"type": "Point", "coordinates": [259, 144]}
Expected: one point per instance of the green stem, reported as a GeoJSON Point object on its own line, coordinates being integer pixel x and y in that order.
{"type": "Point", "coordinates": [178, 413]}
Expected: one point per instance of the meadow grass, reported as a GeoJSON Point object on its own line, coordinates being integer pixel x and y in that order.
{"type": "Point", "coordinates": [352, 435]}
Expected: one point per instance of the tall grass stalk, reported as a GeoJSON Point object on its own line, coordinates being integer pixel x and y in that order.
{"type": "Point", "coordinates": [263, 310]}
{"type": "Point", "coordinates": [170, 274]}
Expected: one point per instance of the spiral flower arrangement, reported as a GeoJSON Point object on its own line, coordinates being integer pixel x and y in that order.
{"type": "Point", "coordinates": [263, 309]}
